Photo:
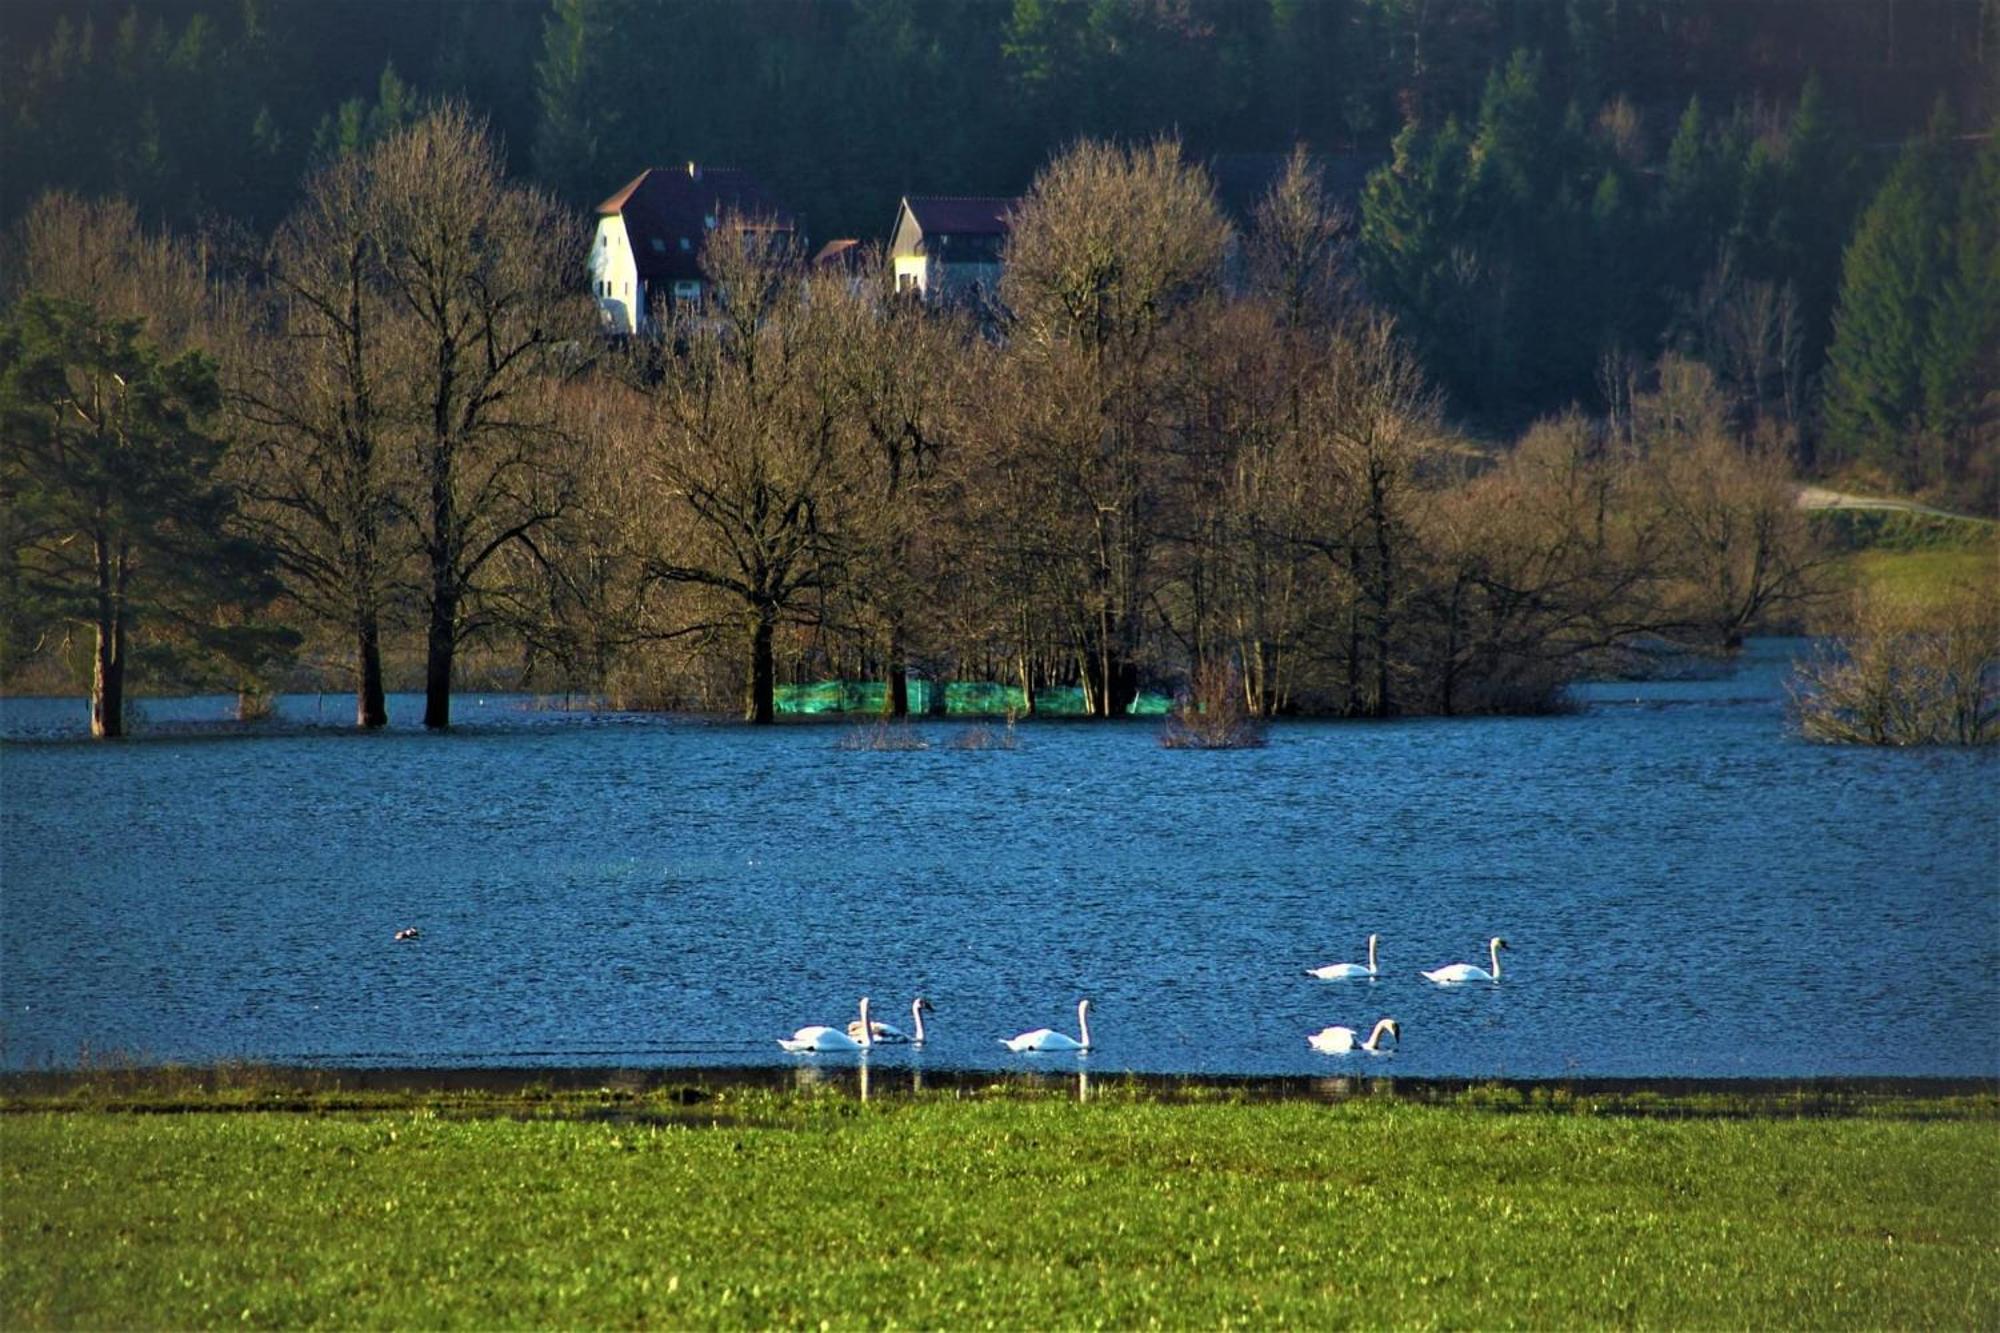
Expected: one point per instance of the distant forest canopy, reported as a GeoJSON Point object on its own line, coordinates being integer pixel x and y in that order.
{"type": "Point", "coordinates": [196, 107]}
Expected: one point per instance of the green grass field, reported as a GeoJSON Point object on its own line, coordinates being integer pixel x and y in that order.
{"type": "Point", "coordinates": [758, 1209]}
{"type": "Point", "coordinates": [1910, 557]}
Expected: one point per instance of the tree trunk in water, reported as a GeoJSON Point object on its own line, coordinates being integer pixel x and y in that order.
{"type": "Point", "coordinates": [107, 674]}
{"type": "Point", "coordinates": [896, 688]}
{"type": "Point", "coordinates": [371, 708]}
{"type": "Point", "coordinates": [761, 708]}
{"type": "Point", "coordinates": [442, 644]}
{"type": "Point", "coordinates": [1122, 690]}
{"type": "Point", "coordinates": [107, 679]}
{"type": "Point", "coordinates": [1385, 591]}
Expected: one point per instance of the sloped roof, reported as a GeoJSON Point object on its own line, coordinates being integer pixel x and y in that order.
{"type": "Point", "coordinates": [668, 212]}
{"type": "Point", "coordinates": [961, 215]}
{"type": "Point", "coordinates": [846, 252]}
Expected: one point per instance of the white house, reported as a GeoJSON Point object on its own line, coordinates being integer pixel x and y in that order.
{"type": "Point", "coordinates": [647, 249]}
{"type": "Point", "coordinates": [948, 247]}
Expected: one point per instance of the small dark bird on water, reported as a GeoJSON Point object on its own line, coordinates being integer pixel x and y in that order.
{"type": "Point", "coordinates": [409, 933]}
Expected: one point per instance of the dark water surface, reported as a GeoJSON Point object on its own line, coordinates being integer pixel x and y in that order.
{"type": "Point", "coordinates": [1688, 892]}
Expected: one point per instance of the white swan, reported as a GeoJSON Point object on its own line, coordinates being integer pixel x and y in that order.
{"type": "Point", "coordinates": [819, 1037]}
{"type": "Point", "coordinates": [1340, 1041]}
{"type": "Point", "coordinates": [888, 1034]}
{"type": "Point", "coordinates": [1342, 971]}
{"type": "Point", "coordinates": [1457, 972]}
{"type": "Point", "coordinates": [1048, 1039]}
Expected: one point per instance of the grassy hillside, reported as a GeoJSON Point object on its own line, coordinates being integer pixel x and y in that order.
{"type": "Point", "coordinates": [1910, 556]}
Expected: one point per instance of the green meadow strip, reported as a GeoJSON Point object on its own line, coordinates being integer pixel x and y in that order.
{"type": "Point", "coordinates": [755, 1209]}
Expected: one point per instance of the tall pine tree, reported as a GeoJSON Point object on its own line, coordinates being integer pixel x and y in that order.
{"type": "Point", "coordinates": [114, 517]}
{"type": "Point", "coordinates": [1890, 283]}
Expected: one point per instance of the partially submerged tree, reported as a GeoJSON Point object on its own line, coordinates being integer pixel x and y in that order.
{"type": "Point", "coordinates": [1907, 674]}
{"type": "Point", "coordinates": [319, 404]}
{"type": "Point", "coordinates": [747, 458]}
{"type": "Point", "coordinates": [1109, 249]}
{"type": "Point", "coordinates": [398, 401]}
{"type": "Point", "coordinates": [1737, 545]}
{"type": "Point", "coordinates": [483, 277]}
{"type": "Point", "coordinates": [115, 517]}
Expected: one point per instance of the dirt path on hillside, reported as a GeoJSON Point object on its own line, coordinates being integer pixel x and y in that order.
{"type": "Point", "coordinates": [1818, 497]}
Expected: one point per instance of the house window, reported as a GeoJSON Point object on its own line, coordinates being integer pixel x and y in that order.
{"type": "Point", "coordinates": [660, 246]}
{"type": "Point", "coordinates": [687, 291]}
{"type": "Point", "coordinates": [686, 245]}
{"type": "Point", "coordinates": [906, 282]}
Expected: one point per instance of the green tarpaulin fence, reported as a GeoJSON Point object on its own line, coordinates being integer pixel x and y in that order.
{"type": "Point", "coordinates": [970, 698]}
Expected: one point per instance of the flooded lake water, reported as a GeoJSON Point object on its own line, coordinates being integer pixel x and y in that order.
{"type": "Point", "coordinates": [1687, 891]}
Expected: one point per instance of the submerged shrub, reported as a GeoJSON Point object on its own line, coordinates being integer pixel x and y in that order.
{"type": "Point", "coordinates": [1213, 714]}
{"type": "Point", "coordinates": [1906, 674]}
{"type": "Point", "coordinates": [983, 737]}
{"type": "Point", "coordinates": [884, 736]}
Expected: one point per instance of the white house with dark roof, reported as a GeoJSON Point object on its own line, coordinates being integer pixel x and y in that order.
{"type": "Point", "coordinates": [647, 249]}
{"type": "Point", "coordinates": [948, 247]}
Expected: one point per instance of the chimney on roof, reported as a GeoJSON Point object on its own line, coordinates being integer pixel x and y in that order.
{"type": "Point", "coordinates": [694, 171]}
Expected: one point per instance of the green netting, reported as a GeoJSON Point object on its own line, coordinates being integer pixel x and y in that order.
{"type": "Point", "coordinates": [962, 698]}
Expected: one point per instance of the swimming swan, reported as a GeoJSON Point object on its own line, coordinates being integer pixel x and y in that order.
{"type": "Point", "coordinates": [1047, 1039]}
{"type": "Point", "coordinates": [1340, 1041]}
{"type": "Point", "coordinates": [1457, 972]}
{"type": "Point", "coordinates": [1342, 971]}
{"type": "Point", "coordinates": [888, 1034]}
{"type": "Point", "coordinates": [822, 1038]}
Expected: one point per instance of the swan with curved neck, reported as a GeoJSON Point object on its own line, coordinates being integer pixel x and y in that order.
{"type": "Point", "coordinates": [1048, 1039]}
{"type": "Point", "coordinates": [1341, 1041]}
{"type": "Point", "coordinates": [888, 1034]}
{"type": "Point", "coordinates": [820, 1037]}
{"type": "Point", "coordinates": [1457, 972]}
{"type": "Point", "coordinates": [1346, 971]}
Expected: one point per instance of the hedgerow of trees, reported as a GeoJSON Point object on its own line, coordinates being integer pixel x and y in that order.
{"type": "Point", "coordinates": [1536, 393]}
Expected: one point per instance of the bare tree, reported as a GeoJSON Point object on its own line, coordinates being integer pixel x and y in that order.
{"type": "Point", "coordinates": [483, 276]}
{"type": "Point", "coordinates": [902, 366]}
{"type": "Point", "coordinates": [1906, 674]}
{"type": "Point", "coordinates": [1372, 425]}
{"type": "Point", "coordinates": [1739, 545]}
{"type": "Point", "coordinates": [320, 404]}
{"type": "Point", "coordinates": [1750, 335]}
{"type": "Point", "coordinates": [747, 454]}
{"type": "Point", "coordinates": [96, 253]}
{"type": "Point", "coordinates": [1110, 247]}
{"type": "Point", "coordinates": [1298, 247]}
{"type": "Point", "coordinates": [1539, 563]}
